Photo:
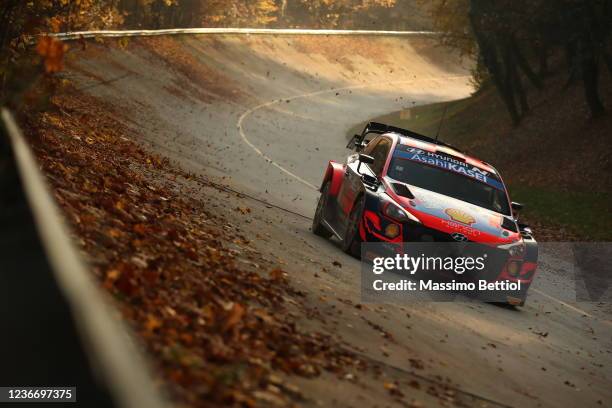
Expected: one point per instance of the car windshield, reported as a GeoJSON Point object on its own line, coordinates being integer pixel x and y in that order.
{"type": "Point", "coordinates": [449, 183]}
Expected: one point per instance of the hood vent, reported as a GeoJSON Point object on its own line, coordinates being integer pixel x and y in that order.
{"type": "Point", "coordinates": [509, 224]}
{"type": "Point", "coordinates": [402, 190]}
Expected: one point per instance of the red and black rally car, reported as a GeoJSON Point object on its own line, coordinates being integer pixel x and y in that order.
{"type": "Point", "coordinates": [401, 186]}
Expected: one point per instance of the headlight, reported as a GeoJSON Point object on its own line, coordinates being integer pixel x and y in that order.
{"type": "Point", "coordinates": [516, 249]}
{"type": "Point", "coordinates": [514, 268]}
{"type": "Point", "coordinates": [398, 213]}
{"type": "Point", "coordinates": [392, 230]}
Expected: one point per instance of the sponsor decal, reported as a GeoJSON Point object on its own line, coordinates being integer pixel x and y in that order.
{"type": "Point", "coordinates": [447, 163]}
{"type": "Point", "coordinates": [463, 229]}
{"type": "Point", "coordinates": [460, 216]}
{"type": "Point", "coordinates": [414, 150]}
{"type": "Point", "coordinates": [459, 237]}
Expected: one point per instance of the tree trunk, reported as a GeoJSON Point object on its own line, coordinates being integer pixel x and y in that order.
{"type": "Point", "coordinates": [283, 8]}
{"type": "Point", "coordinates": [523, 63]}
{"type": "Point", "coordinates": [487, 44]}
{"type": "Point", "coordinates": [509, 82]}
{"type": "Point", "coordinates": [542, 52]}
{"type": "Point", "coordinates": [518, 84]}
{"type": "Point", "coordinates": [608, 60]}
{"type": "Point", "coordinates": [590, 79]}
{"type": "Point", "coordinates": [572, 64]}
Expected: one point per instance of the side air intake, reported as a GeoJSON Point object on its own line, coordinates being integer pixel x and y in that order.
{"type": "Point", "coordinates": [402, 190]}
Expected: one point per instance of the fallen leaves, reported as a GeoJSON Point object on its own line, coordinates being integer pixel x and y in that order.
{"type": "Point", "coordinates": [277, 274]}
{"type": "Point", "coordinates": [152, 323]}
{"type": "Point", "coordinates": [243, 210]}
{"type": "Point", "coordinates": [214, 328]}
{"type": "Point", "coordinates": [393, 389]}
{"type": "Point", "coordinates": [52, 52]}
{"type": "Point", "coordinates": [235, 315]}
{"type": "Point", "coordinates": [416, 364]}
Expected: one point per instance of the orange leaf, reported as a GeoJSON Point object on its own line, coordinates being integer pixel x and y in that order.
{"type": "Point", "coordinates": [277, 274]}
{"type": "Point", "coordinates": [140, 229]}
{"type": "Point", "coordinates": [52, 51]}
{"type": "Point", "coordinates": [234, 317]}
{"type": "Point", "coordinates": [114, 233]}
{"type": "Point", "coordinates": [56, 24]}
{"type": "Point", "coordinates": [152, 323]}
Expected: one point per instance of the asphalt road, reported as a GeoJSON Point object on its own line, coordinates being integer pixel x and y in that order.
{"type": "Point", "coordinates": [264, 114]}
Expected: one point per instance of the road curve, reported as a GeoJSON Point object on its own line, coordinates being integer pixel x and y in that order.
{"type": "Point", "coordinates": [264, 114]}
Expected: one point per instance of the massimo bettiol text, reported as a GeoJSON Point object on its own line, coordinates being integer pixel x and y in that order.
{"type": "Point", "coordinates": [438, 272]}
{"type": "Point", "coordinates": [422, 263]}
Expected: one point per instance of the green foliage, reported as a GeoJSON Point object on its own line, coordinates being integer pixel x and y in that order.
{"type": "Point", "coordinates": [20, 61]}
{"type": "Point", "coordinates": [585, 213]}
{"type": "Point", "coordinates": [509, 37]}
{"type": "Point", "coordinates": [336, 13]}
{"type": "Point", "coordinates": [21, 20]}
{"type": "Point", "coordinates": [378, 14]}
{"type": "Point", "coordinates": [450, 18]}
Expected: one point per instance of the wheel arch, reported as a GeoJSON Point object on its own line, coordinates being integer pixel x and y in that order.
{"type": "Point", "coordinates": [334, 174]}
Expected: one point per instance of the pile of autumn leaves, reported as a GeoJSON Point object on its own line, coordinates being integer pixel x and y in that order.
{"type": "Point", "coordinates": [218, 333]}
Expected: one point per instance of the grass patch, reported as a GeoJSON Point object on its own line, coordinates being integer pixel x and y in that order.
{"type": "Point", "coordinates": [585, 213]}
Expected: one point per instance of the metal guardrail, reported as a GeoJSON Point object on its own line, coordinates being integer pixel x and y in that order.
{"type": "Point", "coordinates": [57, 325]}
{"type": "Point", "coordinates": [254, 31]}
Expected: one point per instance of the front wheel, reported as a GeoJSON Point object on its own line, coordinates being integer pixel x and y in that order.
{"type": "Point", "coordinates": [351, 244]}
{"type": "Point", "coordinates": [317, 222]}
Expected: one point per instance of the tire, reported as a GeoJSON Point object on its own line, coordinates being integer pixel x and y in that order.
{"type": "Point", "coordinates": [317, 222]}
{"type": "Point", "coordinates": [351, 244]}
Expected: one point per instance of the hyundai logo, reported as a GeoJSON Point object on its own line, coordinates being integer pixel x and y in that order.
{"type": "Point", "coordinates": [459, 237]}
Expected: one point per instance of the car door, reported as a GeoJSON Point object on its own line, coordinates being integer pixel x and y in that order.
{"type": "Point", "coordinates": [380, 153]}
{"type": "Point", "coordinates": [352, 185]}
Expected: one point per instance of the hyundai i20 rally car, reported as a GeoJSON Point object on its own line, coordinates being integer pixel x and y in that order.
{"type": "Point", "coordinates": [401, 186]}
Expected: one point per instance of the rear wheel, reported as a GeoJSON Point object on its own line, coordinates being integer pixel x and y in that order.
{"type": "Point", "coordinates": [317, 222]}
{"type": "Point", "coordinates": [351, 244]}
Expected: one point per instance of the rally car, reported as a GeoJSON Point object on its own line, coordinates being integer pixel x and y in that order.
{"type": "Point", "coordinates": [400, 186]}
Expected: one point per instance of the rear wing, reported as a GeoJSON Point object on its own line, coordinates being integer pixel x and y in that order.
{"type": "Point", "coordinates": [357, 141]}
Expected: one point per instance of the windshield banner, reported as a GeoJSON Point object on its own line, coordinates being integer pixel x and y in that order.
{"type": "Point", "coordinates": [447, 163]}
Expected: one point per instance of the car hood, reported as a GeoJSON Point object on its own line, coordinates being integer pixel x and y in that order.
{"type": "Point", "coordinates": [450, 215]}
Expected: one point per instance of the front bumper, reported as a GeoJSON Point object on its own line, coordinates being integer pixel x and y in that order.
{"type": "Point", "coordinates": [500, 265]}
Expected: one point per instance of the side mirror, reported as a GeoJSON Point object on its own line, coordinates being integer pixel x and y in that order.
{"type": "Point", "coordinates": [364, 158]}
{"type": "Point", "coordinates": [516, 206]}
{"type": "Point", "coordinates": [525, 229]}
{"type": "Point", "coordinates": [370, 181]}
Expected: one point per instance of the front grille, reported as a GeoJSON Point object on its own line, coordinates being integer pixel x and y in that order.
{"type": "Point", "coordinates": [425, 234]}
{"type": "Point", "coordinates": [496, 258]}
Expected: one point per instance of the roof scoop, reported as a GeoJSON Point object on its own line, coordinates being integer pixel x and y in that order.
{"type": "Point", "coordinates": [402, 190]}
